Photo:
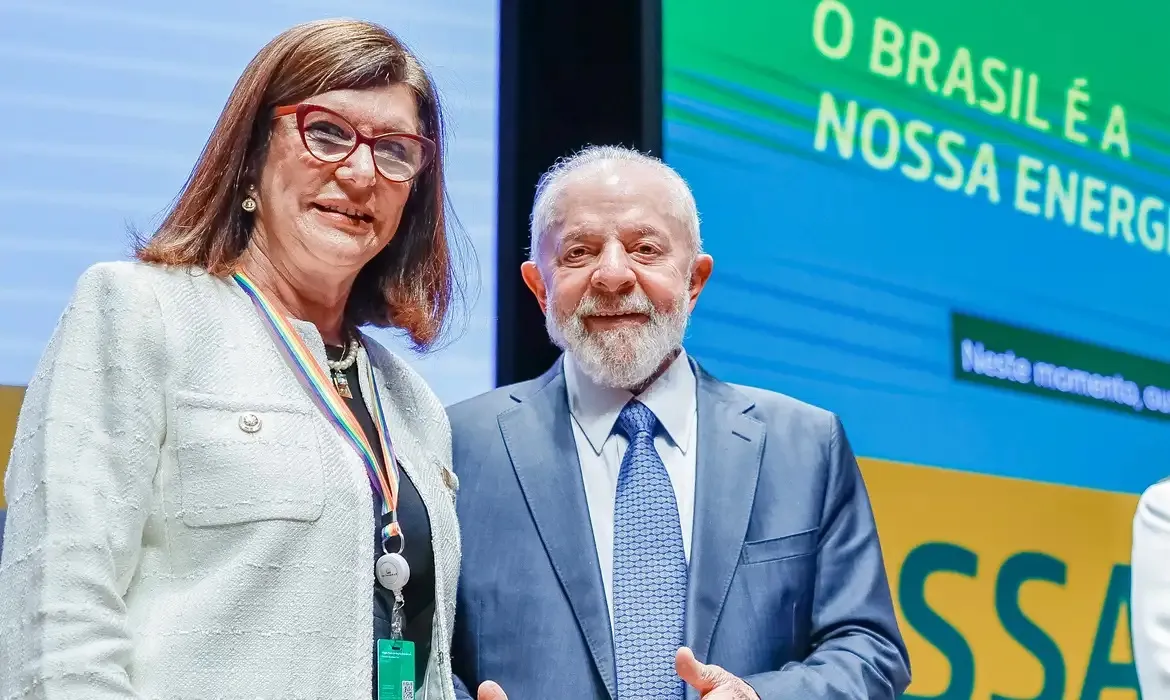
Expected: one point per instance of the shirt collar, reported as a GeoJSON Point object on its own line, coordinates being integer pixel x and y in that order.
{"type": "Point", "coordinates": [595, 408]}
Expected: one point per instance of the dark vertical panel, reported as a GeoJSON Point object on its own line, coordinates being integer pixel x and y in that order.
{"type": "Point", "coordinates": [508, 214]}
{"type": "Point", "coordinates": [572, 73]}
{"type": "Point", "coordinates": [651, 77]}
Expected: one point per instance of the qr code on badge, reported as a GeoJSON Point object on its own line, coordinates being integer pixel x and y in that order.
{"type": "Point", "coordinates": [407, 690]}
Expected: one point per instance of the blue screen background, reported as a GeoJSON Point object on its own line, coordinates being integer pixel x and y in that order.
{"type": "Point", "coordinates": [834, 282]}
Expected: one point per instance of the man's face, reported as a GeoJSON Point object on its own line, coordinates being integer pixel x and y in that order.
{"type": "Point", "coordinates": [618, 275]}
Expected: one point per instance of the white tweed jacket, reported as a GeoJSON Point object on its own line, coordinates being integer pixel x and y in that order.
{"type": "Point", "coordinates": [156, 549]}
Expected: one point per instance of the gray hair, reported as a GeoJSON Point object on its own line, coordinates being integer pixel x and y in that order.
{"type": "Point", "coordinates": [551, 186]}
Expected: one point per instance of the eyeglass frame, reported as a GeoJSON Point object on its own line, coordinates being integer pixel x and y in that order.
{"type": "Point", "coordinates": [303, 109]}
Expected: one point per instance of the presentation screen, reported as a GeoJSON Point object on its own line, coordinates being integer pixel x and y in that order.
{"type": "Point", "coordinates": [947, 223]}
{"type": "Point", "coordinates": [107, 105]}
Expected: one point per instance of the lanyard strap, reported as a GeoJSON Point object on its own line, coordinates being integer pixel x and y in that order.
{"type": "Point", "coordinates": [383, 480]}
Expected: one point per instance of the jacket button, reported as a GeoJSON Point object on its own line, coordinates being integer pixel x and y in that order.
{"type": "Point", "coordinates": [250, 423]}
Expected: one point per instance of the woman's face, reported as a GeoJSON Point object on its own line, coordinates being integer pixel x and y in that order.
{"type": "Point", "coordinates": [326, 219]}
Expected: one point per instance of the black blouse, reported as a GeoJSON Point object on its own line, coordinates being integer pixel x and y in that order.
{"type": "Point", "coordinates": [419, 592]}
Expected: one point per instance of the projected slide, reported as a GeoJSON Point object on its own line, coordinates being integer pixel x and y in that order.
{"type": "Point", "coordinates": [106, 106]}
{"type": "Point", "coordinates": [947, 222]}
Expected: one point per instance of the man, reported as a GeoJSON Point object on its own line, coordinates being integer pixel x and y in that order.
{"type": "Point", "coordinates": [1150, 595]}
{"type": "Point", "coordinates": [633, 526]}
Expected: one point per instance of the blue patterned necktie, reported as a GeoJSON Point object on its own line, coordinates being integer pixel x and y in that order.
{"type": "Point", "coordinates": [649, 567]}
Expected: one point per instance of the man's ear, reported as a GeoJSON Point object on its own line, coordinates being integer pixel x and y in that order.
{"type": "Point", "coordinates": [700, 273]}
{"type": "Point", "coordinates": [535, 283]}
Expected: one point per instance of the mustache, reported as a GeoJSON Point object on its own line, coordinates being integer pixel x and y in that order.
{"type": "Point", "coordinates": [633, 303]}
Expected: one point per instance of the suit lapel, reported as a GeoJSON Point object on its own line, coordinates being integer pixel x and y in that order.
{"type": "Point", "coordinates": [539, 438]}
{"type": "Point", "coordinates": [730, 447]}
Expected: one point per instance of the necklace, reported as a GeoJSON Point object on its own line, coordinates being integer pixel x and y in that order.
{"type": "Point", "coordinates": [337, 369]}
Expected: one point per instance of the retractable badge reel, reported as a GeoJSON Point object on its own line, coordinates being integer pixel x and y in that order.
{"type": "Point", "coordinates": [396, 664]}
{"type": "Point", "coordinates": [391, 569]}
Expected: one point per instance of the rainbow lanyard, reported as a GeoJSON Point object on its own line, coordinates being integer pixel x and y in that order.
{"type": "Point", "coordinates": [383, 481]}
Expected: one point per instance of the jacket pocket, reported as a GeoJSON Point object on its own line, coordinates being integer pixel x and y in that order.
{"type": "Point", "coordinates": [797, 544]}
{"type": "Point", "coordinates": [242, 461]}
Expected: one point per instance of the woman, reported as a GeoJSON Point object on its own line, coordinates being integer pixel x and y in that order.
{"type": "Point", "coordinates": [210, 449]}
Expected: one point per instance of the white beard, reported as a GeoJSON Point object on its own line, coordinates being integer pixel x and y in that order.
{"type": "Point", "coordinates": [620, 358]}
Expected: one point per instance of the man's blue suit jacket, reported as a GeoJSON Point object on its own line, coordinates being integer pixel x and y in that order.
{"type": "Point", "coordinates": [787, 588]}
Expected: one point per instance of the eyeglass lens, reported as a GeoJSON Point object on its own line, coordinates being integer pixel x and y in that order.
{"type": "Point", "coordinates": [331, 139]}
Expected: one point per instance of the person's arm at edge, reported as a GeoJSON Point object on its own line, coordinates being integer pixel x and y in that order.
{"type": "Point", "coordinates": [1150, 594]}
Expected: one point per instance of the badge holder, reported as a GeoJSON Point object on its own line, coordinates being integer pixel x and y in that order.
{"type": "Point", "coordinates": [396, 655]}
{"type": "Point", "coordinates": [395, 669]}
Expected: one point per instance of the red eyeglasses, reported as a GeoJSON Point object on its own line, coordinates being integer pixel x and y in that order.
{"type": "Point", "coordinates": [329, 137]}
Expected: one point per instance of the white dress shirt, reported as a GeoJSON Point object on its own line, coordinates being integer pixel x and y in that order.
{"type": "Point", "coordinates": [600, 448]}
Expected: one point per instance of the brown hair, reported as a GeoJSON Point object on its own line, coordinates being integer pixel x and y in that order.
{"type": "Point", "coordinates": [410, 283]}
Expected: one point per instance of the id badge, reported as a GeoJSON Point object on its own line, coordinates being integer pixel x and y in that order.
{"type": "Point", "coordinates": [395, 669]}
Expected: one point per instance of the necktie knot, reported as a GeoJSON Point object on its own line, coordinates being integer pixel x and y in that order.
{"type": "Point", "coordinates": [637, 418]}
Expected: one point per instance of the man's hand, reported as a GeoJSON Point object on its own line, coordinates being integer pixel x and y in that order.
{"type": "Point", "coordinates": [712, 682]}
{"type": "Point", "coordinates": [490, 690]}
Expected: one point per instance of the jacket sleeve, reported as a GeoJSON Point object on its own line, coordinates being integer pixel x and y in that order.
{"type": "Point", "coordinates": [1150, 593]}
{"type": "Point", "coordinates": [858, 652]}
{"type": "Point", "coordinates": [461, 691]}
{"type": "Point", "coordinates": [79, 485]}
